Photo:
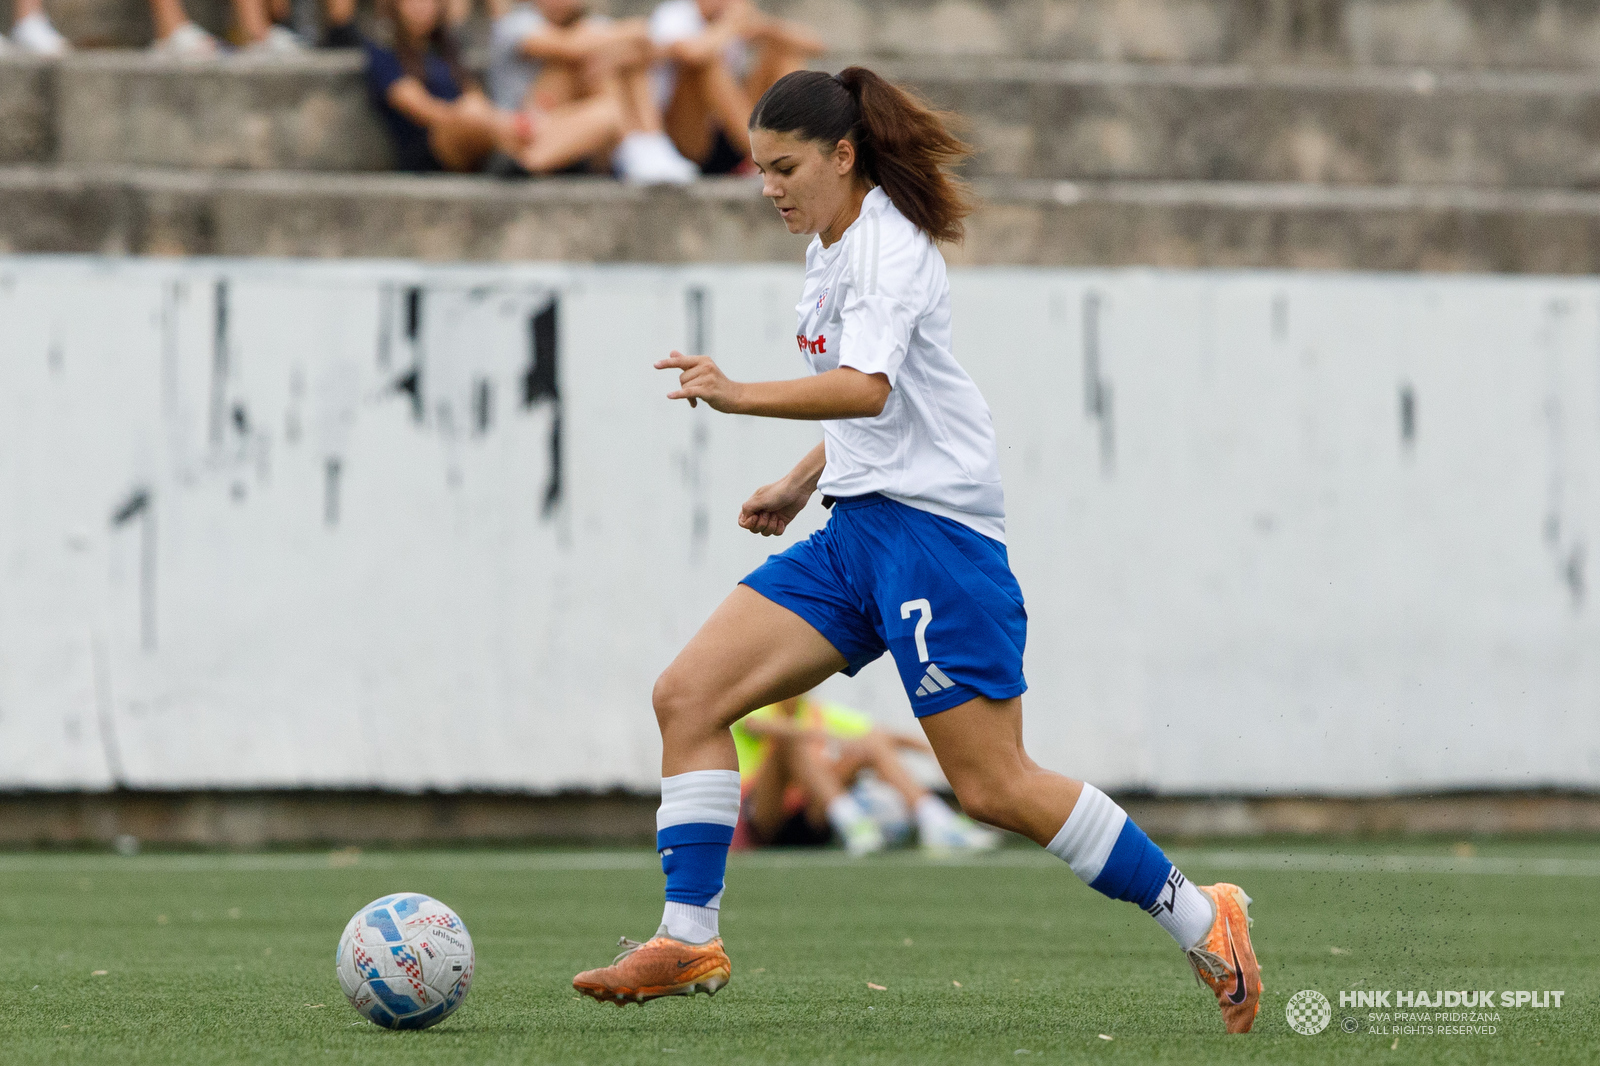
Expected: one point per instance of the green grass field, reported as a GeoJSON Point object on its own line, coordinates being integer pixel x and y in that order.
{"type": "Point", "coordinates": [222, 959]}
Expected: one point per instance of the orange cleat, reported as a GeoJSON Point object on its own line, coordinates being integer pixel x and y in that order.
{"type": "Point", "coordinates": [661, 966]}
{"type": "Point", "coordinates": [1226, 962]}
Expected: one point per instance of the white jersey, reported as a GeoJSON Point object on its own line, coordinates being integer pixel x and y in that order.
{"type": "Point", "coordinates": [878, 301]}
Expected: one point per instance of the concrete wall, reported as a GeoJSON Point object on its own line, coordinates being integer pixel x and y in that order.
{"type": "Point", "coordinates": [273, 524]}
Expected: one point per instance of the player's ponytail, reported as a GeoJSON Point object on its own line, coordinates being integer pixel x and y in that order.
{"type": "Point", "coordinates": [901, 143]}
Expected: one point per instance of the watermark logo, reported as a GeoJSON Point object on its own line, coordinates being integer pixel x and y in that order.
{"type": "Point", "coordinates": [1308, 1012]}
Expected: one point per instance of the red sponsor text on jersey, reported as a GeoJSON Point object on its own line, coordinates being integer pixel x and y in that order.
{"type": "Point", "coordinates": [816, 347]}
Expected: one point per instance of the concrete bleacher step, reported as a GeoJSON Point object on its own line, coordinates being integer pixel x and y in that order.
{"type": "Point", "coordinates": [1030, 119]}
{"type": "Point", "coordinates": [1510, 33]}
{"type": "Point", "coordinates": [1171, 224]}
{"type": "Point", "coordinates": [1361, 126]}
{"type": "Point", "coordinates": [310, 112]}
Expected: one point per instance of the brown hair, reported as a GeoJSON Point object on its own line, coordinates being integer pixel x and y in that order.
{"type": "Point", "coordinates": [441, 42]}
{"type": "Point", "coordinates": [901, 143]}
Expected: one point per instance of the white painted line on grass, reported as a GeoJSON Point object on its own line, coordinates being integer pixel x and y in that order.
{"type": "Point", "coordinates": [644, 859]}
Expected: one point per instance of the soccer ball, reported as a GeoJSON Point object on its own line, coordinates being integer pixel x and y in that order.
{"type": "Point", "coordinates": [405, 961]}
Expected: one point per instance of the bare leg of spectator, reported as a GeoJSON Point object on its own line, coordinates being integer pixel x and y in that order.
{"type": "Point", "coordinates": [175, 34]}
{"type": "Point", "coordinates": [463, 135]}
{"type": "Point", "coordinates": [708, 97]}
{"type": "Point", "coordinates": [792, 761]}
{"type": "Point", "coordinates": [32, 31]}
{"type": "Point", "coordinates": [877, 752]}
{"type": "Point", "coordinates": [254, 19]}
{"type": "Point", "coordinates": [573, 133]}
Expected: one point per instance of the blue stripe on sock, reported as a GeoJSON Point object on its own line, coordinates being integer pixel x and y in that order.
{"type": "Point", "coordinates": [694, 872]}
{"type": "Point", "coordinates": [694, 857]}
{"type": "Point", "coordinates": [1135, 870]}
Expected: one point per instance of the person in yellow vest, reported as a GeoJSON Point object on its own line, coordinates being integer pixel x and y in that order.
{"type": "Point", "coordinates": [799, 761]}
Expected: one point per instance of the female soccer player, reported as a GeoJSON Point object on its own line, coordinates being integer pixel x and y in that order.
{"type": "Point", "coordinates": [912, 559]}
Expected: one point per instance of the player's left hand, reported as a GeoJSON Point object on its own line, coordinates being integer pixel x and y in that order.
{"type": "Point", "coordinates": [701, 379]}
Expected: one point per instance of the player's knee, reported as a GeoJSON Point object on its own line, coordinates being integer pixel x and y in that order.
{"type": "Point", "coordinates": [672, 701]}
{"type": "Point", "coordinates": [993, 801]}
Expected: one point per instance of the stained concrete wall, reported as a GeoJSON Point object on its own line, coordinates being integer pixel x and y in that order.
{"type": "Point", "coordinates": [284, 524]}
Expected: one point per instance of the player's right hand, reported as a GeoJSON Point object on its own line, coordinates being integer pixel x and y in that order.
{"type": "Point", "coordinates": [771, 508]}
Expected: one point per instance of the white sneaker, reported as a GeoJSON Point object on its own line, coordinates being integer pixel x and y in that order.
{"type": "Point", "coordinates": [279, 41]}
{"type": "Point", "coordinates": [187, 42]}
{"type": "Point", "coordinates": [35, 34]}
{"type": "Point", "coordinates": [650, 159]}
{"type": "Point", "coordinates": [960, 833]}
{"type": "Point", "coordinates": [862, 837]}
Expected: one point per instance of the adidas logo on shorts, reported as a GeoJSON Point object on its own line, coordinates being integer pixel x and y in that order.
{"type": "Point", "coordinates": [934, 681]}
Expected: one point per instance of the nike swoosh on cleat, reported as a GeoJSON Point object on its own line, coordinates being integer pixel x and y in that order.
{"type": "Point", "coordinates": [685, 962]}
{"type": "Point", "coordinates": [1238, 993]}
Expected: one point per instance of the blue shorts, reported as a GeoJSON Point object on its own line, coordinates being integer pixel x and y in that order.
{"type": "Point", "coordinates": [881, 576]}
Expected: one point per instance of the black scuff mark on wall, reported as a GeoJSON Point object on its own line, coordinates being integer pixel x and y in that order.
{"type": "Point", "coordinates": [1097, 393]}
{"type": "Point", "coordinates": [139, 506]}
{"type": "Point", "coordinates": [218, 409]}
{"type": "Point", "coordinates": [410, 382]}
{"type": "Point", "coordinates": [1408, 416]}
{"type": "Point", "coordinates": [1577, 585]}
{"type": "Point", "coordinates": [542, 384]}
{"type": "Point", "coordinates": [332, 471]}
{"type": "Point", "coordinates": [482, 406]}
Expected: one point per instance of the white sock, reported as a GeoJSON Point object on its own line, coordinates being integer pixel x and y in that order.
{"type": "Point", "coordinates": [933, 814]}
{"type": "Point", "coordinates": [690, 924]}
{"type": "Point", "coordinates": [1184, 911]}
{"type": "Point", "coordinates": [844, 812]}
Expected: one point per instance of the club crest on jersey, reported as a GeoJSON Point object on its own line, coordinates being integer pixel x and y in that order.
{"type": "Point", "coordinates": [822, 299]}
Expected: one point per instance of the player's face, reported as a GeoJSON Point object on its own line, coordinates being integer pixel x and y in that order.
{"type": "Point", "coordinates": [808, 184]}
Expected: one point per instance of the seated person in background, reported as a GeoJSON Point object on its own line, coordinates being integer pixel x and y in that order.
{"type": "Point", "coordinates": [797, 792]}
{"type": "Point", "coordinates": [439, 119]}
{"type": "Point", "coordinates": [175, 33]}
{"type": "Point", "coordinates": [717, 58]}
{"type": "Point", "coordinates": [547, 55]}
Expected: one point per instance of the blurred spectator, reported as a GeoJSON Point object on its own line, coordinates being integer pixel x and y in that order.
{"type": "Point", "coordinates": [801, 766]}
{"type": "Point", "coordinates": [32, 31]}
{"type": "Point", "coordinates": [339, 24]}
{"type": "Point", "coordinates": [439, 119]}
{"type": "Point", "coordinates": [718, 57]}
{"type": "Point", "coordinates": [549, 56]}
{"type": "Point", "coordinates": [175, 33]}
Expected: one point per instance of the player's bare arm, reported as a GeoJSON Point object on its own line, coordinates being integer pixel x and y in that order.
{"type": "Point", "coordinates": [772, 507]}
{"type": "Point", "coordinates": [839, 393]}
